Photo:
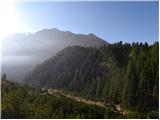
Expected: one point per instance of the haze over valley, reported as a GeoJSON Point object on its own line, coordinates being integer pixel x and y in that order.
{"type": "Point", "coordinates": [23, 51]}
{"type": "Point", "coordinates": [79, 60]}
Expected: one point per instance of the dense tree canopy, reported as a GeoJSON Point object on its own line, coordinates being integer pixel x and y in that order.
{"type": "Point", "coordinates": [126, 74]}
{"type": "Point", "coordinates": [18, 102]}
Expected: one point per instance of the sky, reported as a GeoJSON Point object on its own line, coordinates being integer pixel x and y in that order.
{"type": "Point", "coordinates": [112, 21]}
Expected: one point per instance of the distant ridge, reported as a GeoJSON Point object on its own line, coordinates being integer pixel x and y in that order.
{"type": "Point", "coordinates": [22, 51]}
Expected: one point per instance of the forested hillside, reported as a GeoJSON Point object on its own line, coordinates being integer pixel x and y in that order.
{"type": "Point", "coordinates": [22, 51]}
{"type": "Point", "coordinates": [127, 74]}
{"type": "Point", "coordinates": [22, 102]}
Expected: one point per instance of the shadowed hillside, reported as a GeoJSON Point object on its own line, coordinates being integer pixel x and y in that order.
{"type": "Point", "coordinates": [22, 51]}
{"type": "Point", "coordinates": [122, 73]}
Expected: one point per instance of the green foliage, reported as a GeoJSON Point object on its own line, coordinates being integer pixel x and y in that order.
{"type": "Point", "coordinates": [142, 78]}
{"type": "Point", "coordinates": [117, 74]}
{"type": "Point", "coordinates": [153, 115]}
{"type": "Point", "coordinates": [110, 114]}
{"type": "Point", "coordinates": [18, 103]}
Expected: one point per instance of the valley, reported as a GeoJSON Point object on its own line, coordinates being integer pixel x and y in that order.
{"type": "Point", "coordinates": [79, 59]}
{"type": "Point", "coordinates": [58, 92]}
{"type": "Point", "coordinates": [111, 79]}
{"type": "Point", "coordinates": [70, 95]}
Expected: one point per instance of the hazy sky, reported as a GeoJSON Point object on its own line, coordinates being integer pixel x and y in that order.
{"type": "Point", "coordinates": [112, 21]}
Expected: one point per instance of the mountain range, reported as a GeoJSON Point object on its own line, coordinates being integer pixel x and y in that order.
{"type": "Point", "coordinates": [23, 51]}
{"type": "Point", "coordinates": [121, 74]}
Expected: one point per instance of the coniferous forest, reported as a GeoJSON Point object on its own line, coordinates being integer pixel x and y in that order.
{"type": "Point", "coordinates": [79, 59]}
{"type": "Point", "coordinates": [124, 77]}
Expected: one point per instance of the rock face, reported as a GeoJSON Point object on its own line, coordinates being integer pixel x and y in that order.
{"type": "Point", "coordinates": [22, 51]}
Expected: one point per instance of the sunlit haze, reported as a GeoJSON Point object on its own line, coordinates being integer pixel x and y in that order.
{"type": "Point", "coordinates": [10, 21]}
{"type": "Point", "coordinates": [112, 21]}
{"type": "Point", "coordinates": [79, 59]}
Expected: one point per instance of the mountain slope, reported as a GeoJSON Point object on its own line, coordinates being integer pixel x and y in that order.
{"type": "Point", "coordinates": [122, 73]}
{"type": "Point", "coordinates": [22, 51]}
{"type": "Point", "coordinates": [78, 68]}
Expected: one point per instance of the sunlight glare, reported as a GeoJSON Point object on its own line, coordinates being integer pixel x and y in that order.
{"type": "Point", "coordinates": [9, 21]}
